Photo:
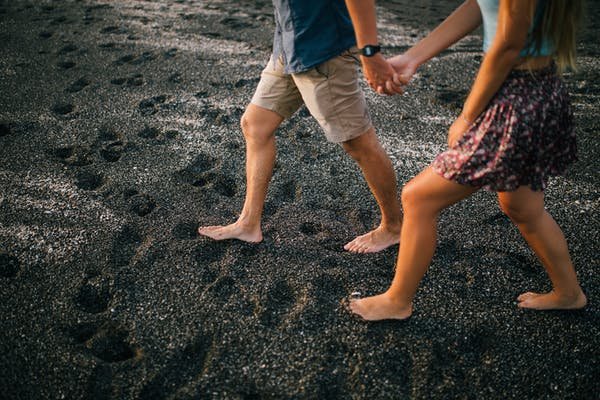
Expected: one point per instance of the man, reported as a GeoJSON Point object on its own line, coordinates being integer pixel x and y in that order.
{"type": "Point", "coordinates": [314, 62]}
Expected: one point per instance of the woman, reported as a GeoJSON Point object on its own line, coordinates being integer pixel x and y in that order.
{"type": "Point", "coordinates": [515, 130]}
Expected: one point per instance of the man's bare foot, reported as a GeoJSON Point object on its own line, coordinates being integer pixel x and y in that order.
{"type": "Point", "coordinates": [379, 307]}
{"type": "Point", "coordinates": [551, 301]}
{"type": "Point", "coordinates": [372, 242]}
{"type": "Point", "coordinates": [232, 231]}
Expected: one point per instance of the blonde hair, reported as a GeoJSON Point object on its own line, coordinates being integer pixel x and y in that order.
{"type": "Point", "coordinates": [559, 23]}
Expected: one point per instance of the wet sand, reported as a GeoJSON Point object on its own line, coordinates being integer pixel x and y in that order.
{"type": "Point", "coordinates": [119, 135]}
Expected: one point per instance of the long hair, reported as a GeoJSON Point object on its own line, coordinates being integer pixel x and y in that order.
{"type": "Point", "coordinates": [559, 23]}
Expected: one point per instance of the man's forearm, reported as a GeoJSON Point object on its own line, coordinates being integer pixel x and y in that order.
{"type": "Point", "coordinates": [364, 19]}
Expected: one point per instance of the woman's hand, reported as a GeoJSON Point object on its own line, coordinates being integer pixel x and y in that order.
{"type": "Point", "coordinates": [405, 66]}
{"type": "Point", "coordinates": [380, 75]}
{"type": "Point", "coordinates": [458, 129]}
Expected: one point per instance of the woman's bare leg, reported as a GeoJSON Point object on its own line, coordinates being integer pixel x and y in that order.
{"type": "Point", "coordinates": [526, 209]}
{"type": "Point", "coordinates": [422, 198]}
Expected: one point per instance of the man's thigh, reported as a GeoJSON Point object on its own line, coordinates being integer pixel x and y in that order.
{"type": "Point", "coordinates": [277, 91]}
{"type": "Point", "coordinates": [332, 94]}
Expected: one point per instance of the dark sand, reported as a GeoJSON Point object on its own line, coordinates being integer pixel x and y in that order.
{"type": "Point", "coordinates": [119, 135]}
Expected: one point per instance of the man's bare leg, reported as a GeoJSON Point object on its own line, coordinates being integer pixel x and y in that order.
{"type": "Point", "coordinates": [379, 174]}
{"type": "Point", "coordinates": [258, 126]}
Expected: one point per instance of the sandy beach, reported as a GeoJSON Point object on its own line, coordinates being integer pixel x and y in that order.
{"type": "Point", "coordinates": [119, 136]}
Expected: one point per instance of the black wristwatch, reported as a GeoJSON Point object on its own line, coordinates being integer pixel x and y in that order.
{"type": "Point", "coordinates": [370, 50]}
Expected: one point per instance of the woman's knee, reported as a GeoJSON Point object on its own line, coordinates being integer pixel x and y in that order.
{"type": "Point", "coordinates": [412, 196]}
{"type": "Point", "coordinates": [518, 211]}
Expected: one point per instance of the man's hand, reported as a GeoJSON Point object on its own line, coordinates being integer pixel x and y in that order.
{"type": "Point", "coordinates": [381, 76]}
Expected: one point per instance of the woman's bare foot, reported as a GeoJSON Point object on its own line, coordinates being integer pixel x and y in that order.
{"type": "Point", "coordinates": [380, 307]}
{"type": "Point", "coordinates": [551, 301]}
{"type": "Point", "coordinates": [372, 242]}
{"type": "Point", "coordinates": [232, 231]}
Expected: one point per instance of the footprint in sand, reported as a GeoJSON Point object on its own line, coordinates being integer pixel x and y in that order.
{"type": "Point", "coordinates": [83, 332]}
{"type": "Point", "coordinates": [5, 129]}
{"type": "Point", "coordinates": [89, 180]}
{"type": "Point", "coordinates": [66, 64]}
{"type": "Point", "coordinates": [94, 295]}
{"type": "Point", "coordinates": [108, 45]}
{"type": "Point", "coordinates": [149, 132]}
{"type": "Point", "coordinates": [279, 300]}
{"type": "Point", "coordinates": [100, 383]}
{"type": "Point", "coordinates": [63, 108]}
{"type": "Point", "coordinates": [223, 288]}
{"type": "Point", "coordinates": [310, 228]}
{"type": "Point", "coordinates": [150, 106]}
{"type": "Point", "coordinates": [111, 144]}
{"type": "Point", "coordinates": [70, 48]}
{"type": "Point", "coordinates": [75, 156]}
{"type": "Point", "coordinates": [196, 169]}
{"type": "Point", "coordinates": [287, 191]}
{"type": "Point", "coordinates": [78, 85]}
{"type": "Point", "coordinates": [127, 58]}
{"type": "Point", "coordinates": [142, 204]}
{"type": "Point", "coordinates": [112, 152]}
{"type": "Point", "coordinates": [111, 344]}
{"type": "Point", "coordinates": [9, 265]}
{"type": "Point", "coordinates": [171, 53]}
{"type": "Point", "coordinates": [113, 30]}
{"type": "Point", "coordinates": [183, 367]}
{"type": "Point", "coordinates": [185, 230]}
{"type": "Point", "coordinates": [221, 184]}
{"type": "Point", "coordinates": [131, 81]}
{"type": "Point", "coordinates": [235, 23]}
{"type": "Point", "coordinates": [210, 251]}
{"type": "Point", "coordinates": [124, 248]}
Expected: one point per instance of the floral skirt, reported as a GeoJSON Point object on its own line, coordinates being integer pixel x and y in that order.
{"type": "Point", "coordinates": [524, 136]}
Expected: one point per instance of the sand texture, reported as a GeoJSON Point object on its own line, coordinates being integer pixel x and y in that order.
{"type": "Point", "coordinates": [119, 136]}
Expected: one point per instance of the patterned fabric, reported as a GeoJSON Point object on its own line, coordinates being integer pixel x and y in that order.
{"type": "Point", "coordinates": [524, 136]}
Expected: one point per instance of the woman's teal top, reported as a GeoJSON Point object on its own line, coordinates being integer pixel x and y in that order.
{"type": "Point", "coordinates": [489, 13]}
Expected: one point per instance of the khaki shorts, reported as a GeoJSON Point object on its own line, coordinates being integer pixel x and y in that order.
{"type": "Point", "coordinates": [330, 91]}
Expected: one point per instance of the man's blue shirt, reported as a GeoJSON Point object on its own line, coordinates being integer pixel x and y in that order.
{"type": "Point", "coordinates": [310, 32]}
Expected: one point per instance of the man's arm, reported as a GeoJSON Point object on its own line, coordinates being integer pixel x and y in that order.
{"type": "Point", "coordinates": [379, 74]}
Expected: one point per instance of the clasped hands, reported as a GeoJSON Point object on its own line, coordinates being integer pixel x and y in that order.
{"type": "Point", "coordinates": [388, 76]}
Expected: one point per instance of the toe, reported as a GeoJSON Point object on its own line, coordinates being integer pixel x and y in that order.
{"type": "Point", "coordinates": [526, 296]}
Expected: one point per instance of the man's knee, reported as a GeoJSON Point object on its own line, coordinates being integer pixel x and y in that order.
{"type": "Point", "coordinates": [254, 130]}
{"type": "Point", "coordinates": [364, 146]}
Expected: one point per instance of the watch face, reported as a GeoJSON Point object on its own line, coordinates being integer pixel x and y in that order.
{"type": "Point", "coordinates": [370, 50]}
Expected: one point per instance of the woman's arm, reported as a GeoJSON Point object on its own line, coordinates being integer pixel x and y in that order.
{"type": "Point", "coordinates": [461, 22]}
{"type": "Point", "coordinates": [514, 20]}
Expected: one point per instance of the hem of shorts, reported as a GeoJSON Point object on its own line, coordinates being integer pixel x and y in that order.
{"type": "Point", "coordinates": [270, 107]}
{"type": "Point", "coordinates": [355, 133]}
